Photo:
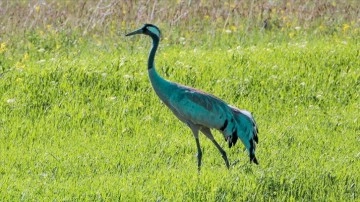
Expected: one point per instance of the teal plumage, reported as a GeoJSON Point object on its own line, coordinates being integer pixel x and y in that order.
{"type": "Point", "coordinates": [199, 110]}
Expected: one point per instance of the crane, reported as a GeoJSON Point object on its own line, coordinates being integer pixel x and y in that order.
{"type": "Point", "coordinates": [201, 111]}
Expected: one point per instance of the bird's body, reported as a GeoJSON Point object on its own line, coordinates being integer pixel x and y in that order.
{"type": "Point", "coordinates": [199, 110]}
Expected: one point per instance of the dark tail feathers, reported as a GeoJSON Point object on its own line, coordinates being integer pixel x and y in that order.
{"type": "Point", "coordinates": [232, 139]}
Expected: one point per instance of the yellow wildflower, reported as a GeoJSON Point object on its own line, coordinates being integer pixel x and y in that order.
{"type": "Point", "coordinates": [19, 80]}
{"type": "Point", "coordinates": [3, 47]}
{"type": "Point", "coordinates": [233, 28]}
{"type": "Point", "coordinates": [58, 46]}
{"type": "Point", "coordinates": [37, 8]}
{"type": "Point", "coordinates": [321, 27]}
{"type": "Point", "coordinates": [26, 56]}
{"type": "Point", "coordinates": [345, 27]}
{"type": "Point", "coordinates": [291, 34]}
{"type": "Point", "coordinates": [19, 65]}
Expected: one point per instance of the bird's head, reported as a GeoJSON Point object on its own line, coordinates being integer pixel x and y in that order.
{"type": "Point", "coordinates": [147, 29]}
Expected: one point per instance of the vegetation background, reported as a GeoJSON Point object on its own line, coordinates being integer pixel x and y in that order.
{"type": "Point", "coordinates": [80, 121]}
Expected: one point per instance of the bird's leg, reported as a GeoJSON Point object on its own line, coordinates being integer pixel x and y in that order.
{"type": "Point", "coordinates": [199, 152]}
{"type": "Point", "coordinates": [223, 153]}
{"type": "Point", "coordinates": [208, 134]}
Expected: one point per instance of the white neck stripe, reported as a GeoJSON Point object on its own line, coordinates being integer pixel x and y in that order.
{"type": "Point", "coordinates": [154, 31]}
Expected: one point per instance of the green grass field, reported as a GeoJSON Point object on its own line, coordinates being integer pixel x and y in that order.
{"type": "Point", "coordinates": [79, 120]}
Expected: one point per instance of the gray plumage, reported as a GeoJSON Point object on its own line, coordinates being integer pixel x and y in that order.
{"type": "Point", "coordinates": [201, 111]}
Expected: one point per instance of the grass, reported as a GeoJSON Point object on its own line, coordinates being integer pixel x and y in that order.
{"type": "Point", "coordinates": [80, 121]}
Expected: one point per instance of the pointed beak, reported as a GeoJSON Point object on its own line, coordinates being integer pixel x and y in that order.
{"type": "Point", "coordinates": [139, 31]}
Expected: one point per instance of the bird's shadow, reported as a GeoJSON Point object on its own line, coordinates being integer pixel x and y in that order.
{"type": "Point", "coordinates": [245, 167]}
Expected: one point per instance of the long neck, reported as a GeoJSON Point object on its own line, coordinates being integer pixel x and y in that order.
{"type": "Point", "coordinates": [161, 86]}
{"type": "Point", "coordinates": [151, 61]}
